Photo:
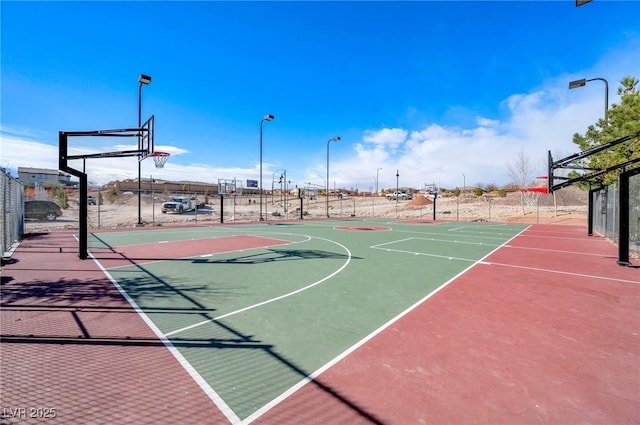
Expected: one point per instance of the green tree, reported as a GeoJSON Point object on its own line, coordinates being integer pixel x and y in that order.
{"type": "Point", "coordinates": [623, 120]}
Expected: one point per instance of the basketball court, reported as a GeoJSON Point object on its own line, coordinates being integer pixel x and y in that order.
{"type": "Point", "coordinates": [353, 321]}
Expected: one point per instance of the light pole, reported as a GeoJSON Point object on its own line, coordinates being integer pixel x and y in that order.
{"type": "Point", "coordinates": [143, 79]}
{"type": "Point", "coordinates": [583, 82]}
{"type": "Point", "coordinates": [373, 200]}
{"type": "Point", "coordinates": [283, 188]}
{"type": "Point", "coordinates": [333, 139]}
{"type": "Point", "coordinates": [377, 175]}
{"type": "Point", "coordinates": [273, 185]}
{"type": "Point", "coordinates": [266, 118]}
{"type": "Point", "coordinates": [397, 190]}
{"type": "Point", "coordinates": [153, 201]}
{"type": "Point", "coordinates": [464, 183]}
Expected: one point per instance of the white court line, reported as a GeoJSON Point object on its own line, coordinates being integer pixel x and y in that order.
{"type": "Point", "coordinates": [467, 234]}
{"type": "Point", "coordinates": [287, 242]}
{"type": "Point", "coordinates": [380, 246]}
{"type": "Point", "coordinates": [456, 241]}
{"type": "Point", "coordinates": [484, 226]}
{"type": "Point", "coordinates": [210, 392]}
{"type": "Point", "coordinates": [562, 272]}
{"type": "Point", "coordinates": [429, 255]}
{"type": "Point", "coordinates": [159, 242]}
{"type": "Point", "coordinates": [360, 343]}
{"type": "Point", "coordinates": [271, 300]}
{"type": "Point", "coordinates": [433, 255]}
{"type": "Point", "coordinates": [576, 238]}
{"type": "Point", "coordinates": [557, 250]}
{"type": "Point", "coordinates": [390, 242]}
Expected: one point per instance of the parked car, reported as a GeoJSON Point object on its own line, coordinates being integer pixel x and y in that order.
{"type": "Point", "coordinates": [399, 195]}
{"type": "Point", "coordinates": [41, 210]}
{"type": "Point", "coordinates": [91, 200]}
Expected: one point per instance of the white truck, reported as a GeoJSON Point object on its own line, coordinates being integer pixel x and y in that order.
{"type": "Point", "coordinates": [178, 204]}
{"type": "Point", "coordinates": [398, 195]}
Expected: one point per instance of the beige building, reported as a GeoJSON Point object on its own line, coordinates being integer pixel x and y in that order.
{"type": "Point", "coordinates": [32, 177]}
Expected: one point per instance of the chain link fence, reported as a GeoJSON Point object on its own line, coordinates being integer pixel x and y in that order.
{"type": "Point", "coordinates": [606, 211]}
{"type": "Point", "coordinates": [634, 215]}
{"type": "Point", "coordinates": [12, 214]}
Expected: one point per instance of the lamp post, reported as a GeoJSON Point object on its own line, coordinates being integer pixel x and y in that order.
{"type": "Point", "coordinates": [397, 190]}
{"type": "Point", "coordinates": [377, 175]}
{"type": "Point", "coordinates": [333, 139]}
{"type": "Point", "coordinates": [283, 188]}
{"type": "Point", "coordinates": [464, 183]}
{"type": "Point", "coordinates": [153, 201]}
{"type": "Point", "coordinates": [273, 186]}
{"type": "Point", "coordinates": [584, 81]}
{"type": "Point", "coordinates": [266, 118]}
{"type": "Point", "coordinates": [143, 79]}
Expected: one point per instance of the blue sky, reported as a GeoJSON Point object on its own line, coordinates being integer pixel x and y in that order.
{"type": "Point", "coordinates": [450, 92]}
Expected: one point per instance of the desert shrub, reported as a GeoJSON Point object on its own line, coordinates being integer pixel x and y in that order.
{"type": "Point", "coordinates": [113, 194]}
{"type": "Point", "coordinates": [478, 191]}
{"type": "Point", "coordinates": [61, 198]}
{"type": "Point", "coordinates": [502, 193]}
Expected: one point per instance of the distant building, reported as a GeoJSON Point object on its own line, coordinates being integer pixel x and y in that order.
{"type": "Point", "coordinates": [31, 177]}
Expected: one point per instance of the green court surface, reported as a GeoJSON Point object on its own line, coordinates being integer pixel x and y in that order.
{"type": "Point", "coordinates": [250, 325]}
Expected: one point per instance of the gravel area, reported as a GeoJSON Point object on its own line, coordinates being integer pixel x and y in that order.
{"type": "Point", "coordinates": [570, 208]}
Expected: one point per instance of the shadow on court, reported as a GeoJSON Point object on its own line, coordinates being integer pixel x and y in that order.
{"type": "Point", "coordinates": [278, 255]}
{"type": "Point", "coordinates": [68, 334]}
{"type": "Point", "coordinates": [270, 255]}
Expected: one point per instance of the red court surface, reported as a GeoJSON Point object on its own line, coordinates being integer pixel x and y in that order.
{"type": "Point", "coordinates": [500, 345]}
{"type": "Point", "coordinates": [139, 254]}
{"type": "Point", "coordinates": [72, 343]}
{"type": "Point", "coordinates": [538, 333]}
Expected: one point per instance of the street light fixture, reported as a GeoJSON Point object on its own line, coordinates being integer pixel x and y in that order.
{"type": "Point", "coordinates": [581, 83]}
{"type": "Point", "coordinates": [333, 139]}
{"type": "Point", "coordinates": [146, 80]}
{"type": "Point", "coordinates": [266, 118]}
{"type": "Point", "coordinates": [377, 175]}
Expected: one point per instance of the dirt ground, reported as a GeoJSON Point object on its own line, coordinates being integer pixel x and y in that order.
{"type": "Point", "coordinates": [569, 207]}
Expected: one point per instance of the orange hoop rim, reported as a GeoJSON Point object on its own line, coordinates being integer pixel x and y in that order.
{"type": "Point", "coordinates": [160, 158]}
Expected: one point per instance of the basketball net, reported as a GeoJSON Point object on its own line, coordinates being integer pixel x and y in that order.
{"type": "Point", "coordinates": [160, 158]}
{"type": "Point", "coordinates": [531, 195]}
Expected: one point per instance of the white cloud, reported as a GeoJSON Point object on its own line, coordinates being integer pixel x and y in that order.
{"type": "Point", "coordinates": [391, 137]}
{"type": "Point", "coordinates": [22, 152]}
{"type": "Point", "coordinates": [486, 122]}
{"type": "Point", "coordinates": [543, 119]}
{"type": "Point", "coordinates": [534, 123]}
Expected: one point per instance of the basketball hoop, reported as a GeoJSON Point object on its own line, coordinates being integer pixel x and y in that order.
{"type": "Point", "coordinates": [160, 158]}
